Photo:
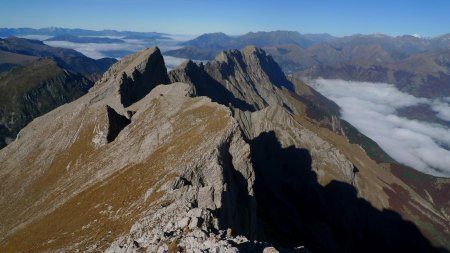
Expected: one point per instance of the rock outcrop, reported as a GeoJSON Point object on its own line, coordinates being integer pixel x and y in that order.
{"type": "Point", "coordinates": [143, 78]}
{"type": "Point", "coordinates": [248, 76]}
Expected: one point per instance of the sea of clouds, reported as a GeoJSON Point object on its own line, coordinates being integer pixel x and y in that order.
{"type": "Point", "coordinates": [372, 109]}
{"type": "Point", "coordinates": [129, 46]}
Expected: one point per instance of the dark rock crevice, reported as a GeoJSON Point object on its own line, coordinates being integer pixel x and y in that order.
{"type": "Point", "coordinates": [116, 123]}
{"type": "Point", "coordinates": [238, 210]}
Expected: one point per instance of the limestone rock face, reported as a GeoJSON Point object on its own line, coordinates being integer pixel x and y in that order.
{"type": "Point", "coordinates": [143, 78]}
{"type": "Point", "coordinates": [206, 85]}
{"type": "Point", "coordinates": [133, 77]}
{"type": "Point", "coordinates": [67, 175]}
{"type": "Point", "coordinates": [250, 75]}
{"type": "Point", "coordinates": [246, 79]}
{"type": "Point", "coordinates": [326, 158]}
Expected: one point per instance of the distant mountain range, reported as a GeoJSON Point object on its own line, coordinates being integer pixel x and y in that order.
{"type": "Point", "coordinates": [96, 44]}
{"type": "Point", "coordinates": [419, 66]}
{"type": "Point", "coordinates": [206, 46]}
{"type": "Point", "coordinates": [36, 78]}
{"type": "Point", "coordinates": [260, 39]}
{"type": "Point", "coordinates": [57, 31]}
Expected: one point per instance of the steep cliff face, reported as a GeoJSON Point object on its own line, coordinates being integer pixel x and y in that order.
{"type": "Point", "coordinates": [143, 78]}
{"type": "Point", "coordinates": [250, 76]}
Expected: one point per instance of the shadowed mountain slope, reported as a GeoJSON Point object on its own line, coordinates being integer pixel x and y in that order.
{"type": "Point", "coordinates": [66, 58]}
{"type": "Point", "coordinates": [35, 79]}
{"type": "Point", "coordinates": [33, 90]}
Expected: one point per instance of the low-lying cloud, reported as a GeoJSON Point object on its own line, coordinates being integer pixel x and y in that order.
{"type": "Point", "coordinates": [173, 62]}
{"type": "Point", "coordinates": [372, 108]}
{"type": "Point", "coordinates": [129, 46]}
{"type": "Point", "coordinates": [101, 50]}
{"type": "Point", "coordinates": [442, 108]}
{"type": "Point", "coordinates": [35, 37]}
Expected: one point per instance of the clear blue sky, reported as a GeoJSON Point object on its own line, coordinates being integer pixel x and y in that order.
{"type": "Point", "coordinates": [337, 17]}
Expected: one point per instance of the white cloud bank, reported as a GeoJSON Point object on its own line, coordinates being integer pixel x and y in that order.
{"type": "Point", "coordinates": [372, 109]}
{"type": "Point", "coordinates": [116, 50]}
{"type": "Point", "coordinates": [35, 37]}
{"type": "Point", "coordinates": [173, 62]}
{"type": "Point", "coordinates": [101, 50]}
{"type": "Point", "coordinates": [442, 108]}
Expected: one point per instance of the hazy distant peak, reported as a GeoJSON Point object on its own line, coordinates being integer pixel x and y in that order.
{"type": "Point", "coordinates": [276, 32]}
{"type": "Point", "coordinates": [22, 40]}
{"type": "Point", "coordinates": [214, 35]}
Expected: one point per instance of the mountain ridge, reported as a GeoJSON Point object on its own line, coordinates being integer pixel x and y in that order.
{"type": "Point", "coordinates": [183, 172]}
{"type": "Point", "coordinates": [56, 31]}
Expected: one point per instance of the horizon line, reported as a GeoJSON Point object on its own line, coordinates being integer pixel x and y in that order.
{"type": "Point", "coordinates": [417, 35]}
